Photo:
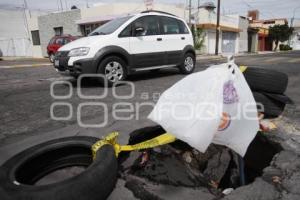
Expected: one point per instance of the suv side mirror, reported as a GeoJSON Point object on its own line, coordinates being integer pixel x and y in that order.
{"type": "Point", "coordinates": [138, 31]}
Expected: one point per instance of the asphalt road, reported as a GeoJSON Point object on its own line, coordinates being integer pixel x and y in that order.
{"type": "Point", "coordinates": [25, 100]}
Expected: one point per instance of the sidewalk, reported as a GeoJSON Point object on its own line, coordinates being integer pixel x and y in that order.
{"type": "Point", "coordinates": [19, 62]}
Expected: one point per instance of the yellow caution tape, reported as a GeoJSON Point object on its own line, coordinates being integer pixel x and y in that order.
{"type": "Point", "coordinates": [243, 68]}
{"type": "Point", "coordinates": [111, 139]}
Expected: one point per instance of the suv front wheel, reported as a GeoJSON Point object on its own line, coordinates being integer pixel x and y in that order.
{"type": "Point", "coordinates": [114, 69]}
{"type": "Point", "coordinates": [188, 64]}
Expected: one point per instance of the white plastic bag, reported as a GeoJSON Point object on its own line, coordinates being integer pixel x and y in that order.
{"type": "Point", "coordinates": [215, 105]}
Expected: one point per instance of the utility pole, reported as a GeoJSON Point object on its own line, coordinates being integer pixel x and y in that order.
{"type": "Point", "coordinates": [217, 28]}
{"type": "Point", "coordinates": [61, 5]}
{"type": "Point", "coordinates": [190, 13]}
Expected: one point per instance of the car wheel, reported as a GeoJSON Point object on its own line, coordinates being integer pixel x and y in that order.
{"type": "Point", "coordinates": [114, 69]}
{"type": "Point", "coordinates": [266, 80]}
{"type": "Point", "coordinates": [188, 64]}
{"type": "Point", "coordinates": [51, 57]}
{"type": "Point", "coordinates": [270, 107]}
{"type": "Point", "coordinates": [19, 175]}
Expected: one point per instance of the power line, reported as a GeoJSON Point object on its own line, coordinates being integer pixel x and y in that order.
{"type": "Point", "coordinates": [251, 7]}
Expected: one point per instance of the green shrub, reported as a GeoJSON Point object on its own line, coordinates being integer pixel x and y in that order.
{"type": "Point", "coordinates": [284, 47]}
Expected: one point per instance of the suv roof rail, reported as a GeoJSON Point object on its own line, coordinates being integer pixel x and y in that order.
{"type": "Point", "coordinates": [158, 11]}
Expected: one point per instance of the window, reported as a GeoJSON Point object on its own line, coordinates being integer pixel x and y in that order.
{"type": "Point", "coordinates": [35, 37]}
{"type": "Point", "coordinates": [110, 26]}
{"type": "Point", "coordinates": [169, 25]}
{"type": "Point", "coordinates": [52, 41]}
{"type": "Point", "coordinates": [126, 32]}
{"type": "Point", "coordinates": [149, 24]}
{"type": "Point", "coordinates": [67, 40]}
{"type": "Point", "coordinates": [182, 28]}
{"type": "Point", "coordinates": [58, 31]}
{"type": "Point", "coordinates": [60, 41]}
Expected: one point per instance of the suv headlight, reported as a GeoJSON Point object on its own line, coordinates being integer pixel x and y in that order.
{"type": "Point", "coordinates": [82, 51]}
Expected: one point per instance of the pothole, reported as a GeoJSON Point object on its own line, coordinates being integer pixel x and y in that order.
{"type": "Point", "coordinates": [180, 165]}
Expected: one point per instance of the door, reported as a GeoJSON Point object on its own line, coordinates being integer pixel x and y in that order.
{"type": "Point", "coordinates": [228, 42]}
{"type": "Point", "coordinates": [175, 38]}
{"type": "Point", "coordinates": [146, 45]}
{"type": "Point", "coordinates": [211, 35]}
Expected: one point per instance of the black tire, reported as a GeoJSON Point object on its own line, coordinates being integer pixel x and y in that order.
{"type": "Point", "coordinates": [183, 69]}
{"type": "Point", "coordinates": [51, 57]}
{"type": "Point", "coordinates": [141, 135]}
{"type": "Point", "coordinates": [266, 80]}
{"type": "Point", "coordinates": [154, 70]}
{"type": "Point", "coordinates": [96, 182]}
{"type": "Point", "coordinates": [271, 108]}
{"type": "Point", "coordinates": [107, 60]}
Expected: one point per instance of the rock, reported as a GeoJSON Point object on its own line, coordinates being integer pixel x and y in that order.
{"type": "Point", "coordinates": [292, 183]}
{"type": "Point", "coordinates": [146, 190]}
{"type": "Point", "coordinates": [121, 192]}
{"type": "Point", "coordinates": [290, 197]}
{"type": "Point", "coordinates": [169, 168]}
{"type": "Point", "coordinates": [258, 190]}
{"type": "Point", "coordinates": [287, 161]}
{"type": "Point", "coordinates": [218, 165]}
{"type": "Point", "coordinates": [270, 172]}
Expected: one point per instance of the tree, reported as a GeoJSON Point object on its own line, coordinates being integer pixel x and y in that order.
{"type": "Point", "coordinates": [280, 33]}
{"type": "Point", "coordinates": [74, 7]}
{"type": "Point", "coordinates": [198, 35]}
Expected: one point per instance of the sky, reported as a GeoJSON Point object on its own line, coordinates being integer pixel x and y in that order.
{"type": "Point", "coordinates": [268, 8]}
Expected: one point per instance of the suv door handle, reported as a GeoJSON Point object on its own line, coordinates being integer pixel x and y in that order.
{"type": "Point", "coordinates": [183, 38]}
{"type": "Point", "coordinates": [159, 39]}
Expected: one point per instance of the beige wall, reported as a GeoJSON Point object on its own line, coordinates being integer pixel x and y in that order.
{"type": "Point", "coordinates": [210, 17]}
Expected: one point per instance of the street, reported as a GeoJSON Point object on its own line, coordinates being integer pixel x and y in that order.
{"type": "Point", "coordinates": [25, 100]}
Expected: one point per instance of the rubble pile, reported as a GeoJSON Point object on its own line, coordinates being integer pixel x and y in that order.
{"type": "Point", "coordinates": [177, 171]}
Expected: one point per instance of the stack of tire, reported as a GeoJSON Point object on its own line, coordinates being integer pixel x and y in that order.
{"type": "Point", "coordinates": [268, 87]}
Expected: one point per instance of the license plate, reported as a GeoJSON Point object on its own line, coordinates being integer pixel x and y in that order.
{"type": "Point", "coordinates": [56, 63]}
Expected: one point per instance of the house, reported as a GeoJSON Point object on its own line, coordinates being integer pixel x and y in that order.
{"type": "Point", "coordinates": [262, 26]}
{"type": "Point", "coordinates": [295, 38]}
{"type": "Point", "coordinates": [80, 22]}
{"type": "Point", "coordinates": [233, 31]}
{"type": "Point", "coordinates": [15, 37]}
{"type": "Point", "coordinates": [233, 34]}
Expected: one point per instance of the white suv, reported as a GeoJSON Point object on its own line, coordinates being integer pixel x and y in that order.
{"type": "Point", "coordinates": [146, 41]}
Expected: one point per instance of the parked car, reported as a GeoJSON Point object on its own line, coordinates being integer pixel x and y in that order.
{"type": "Point", "coordinates": [149, 40]}
{"type": "Point", "coordinates": [56, 42]}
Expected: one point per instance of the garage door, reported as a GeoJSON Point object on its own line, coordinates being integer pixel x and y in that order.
{"type": "Point", "coordinates": [228, 42]}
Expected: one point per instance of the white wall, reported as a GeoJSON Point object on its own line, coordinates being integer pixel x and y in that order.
{"type": "Point", "coordinates": [295, 39]}
{"type": "Point", "coordinates": [36, 49]}
{"type": "Point", "coordinates": [15, 37]}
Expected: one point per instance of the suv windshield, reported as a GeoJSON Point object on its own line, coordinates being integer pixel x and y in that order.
{"type": "Point", "coordinates": [110, 26]}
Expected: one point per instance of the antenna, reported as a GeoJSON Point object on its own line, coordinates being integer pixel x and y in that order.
{"type": "Point", "coordinates": [61, 5]}
{"type": "Point", "coordinates": [149, 4]}
{"type": "Point", "coordinates": [26, 7]}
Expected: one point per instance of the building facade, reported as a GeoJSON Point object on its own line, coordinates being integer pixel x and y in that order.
{"type": "Point", "coordinates": [57, 24]}
{"type": "Point", "coordinates": [265, 43]}
{"type": "Point", "coordinates": [80, 22]}
{"type": "Point", "coordinates": [295, 38]}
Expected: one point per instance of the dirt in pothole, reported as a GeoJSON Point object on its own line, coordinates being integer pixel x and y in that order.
{"type": "Point", "coordinates": [180, 165]}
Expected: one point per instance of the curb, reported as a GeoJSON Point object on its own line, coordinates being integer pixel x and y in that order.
{"type": "Point", "coordinates": [25, 66]}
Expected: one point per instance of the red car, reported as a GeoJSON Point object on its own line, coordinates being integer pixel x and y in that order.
{"type": "Point", "coordinates": [56, 42]}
